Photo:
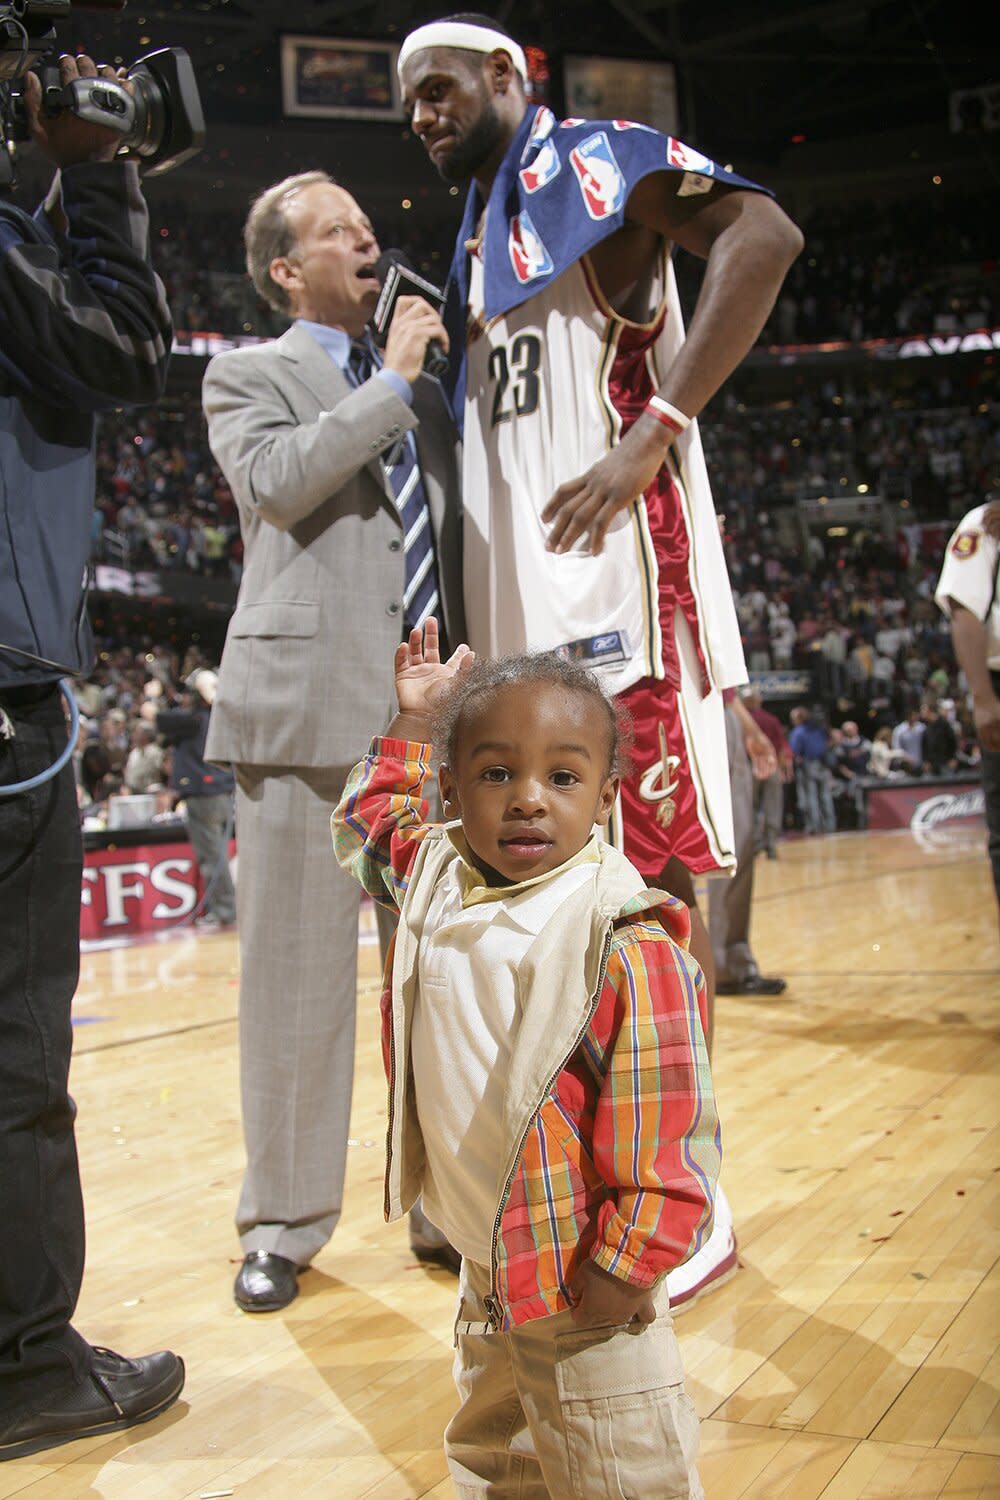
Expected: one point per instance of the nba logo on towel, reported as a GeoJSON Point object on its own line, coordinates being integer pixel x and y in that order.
{"type": "Point", "coordinates": [601, 182]}
{"type": "Point", "coordinates": [679, 155]}
{"type": "Point", "coordinates": [528, 255]}
{"type": "Point", "coordinates": [542, 127]}
{"type": "Point", "coordinates": [545, 166]}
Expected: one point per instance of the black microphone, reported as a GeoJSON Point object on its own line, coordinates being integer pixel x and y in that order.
{"type": "Point", "coordinates": [396, 273]}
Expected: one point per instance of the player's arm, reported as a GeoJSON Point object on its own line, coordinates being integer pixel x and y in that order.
{"type": "Point", "coordinates": [748, 244]}
{"type": "Point", "coordinates": [968, 635]}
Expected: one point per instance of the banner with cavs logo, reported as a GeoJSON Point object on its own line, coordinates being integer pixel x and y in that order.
{"type": "Point", "coordinates": [928, 809]}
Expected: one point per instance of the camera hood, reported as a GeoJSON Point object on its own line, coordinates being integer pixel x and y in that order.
{"type": "Point", "coordinates": [170, 123]}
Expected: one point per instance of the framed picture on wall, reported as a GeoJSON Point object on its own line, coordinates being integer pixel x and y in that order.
{"type": "Point", "coordinates": [325, 78]}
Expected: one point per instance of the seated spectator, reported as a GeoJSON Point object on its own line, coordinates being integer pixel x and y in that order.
{"type": "Point", "coordinates": [94, 769]}
{"type": "Point", "coordinates": [885, 762]}
{"type": "Point", "coordinates": [144, 766]}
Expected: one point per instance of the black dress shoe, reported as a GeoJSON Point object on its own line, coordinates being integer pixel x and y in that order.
{"type": "Point", "coordinates": [444, 1255]}
{"type": "Point", "coordinates": [752, 984]}
{"type": "Point", "coordinates": [266, 1282]}
{"type": "Point", "coordinates": [117, 1393]}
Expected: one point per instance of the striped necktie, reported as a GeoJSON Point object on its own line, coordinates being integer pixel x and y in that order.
{"type": "Point", "coordinates": [421, 596]}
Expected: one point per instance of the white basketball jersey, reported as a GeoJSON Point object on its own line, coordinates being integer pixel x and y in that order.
{"type": "Point", "coordinates": [549, 386]}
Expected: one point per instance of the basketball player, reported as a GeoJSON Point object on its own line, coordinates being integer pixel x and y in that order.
{"type": "Point", "coordinates": [589, 524]}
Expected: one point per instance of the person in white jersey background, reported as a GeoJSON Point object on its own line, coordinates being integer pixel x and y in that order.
{"type": "Point", "coordinates": [968, 592]}
{"type": "Point", "coordinates": [589, 526]}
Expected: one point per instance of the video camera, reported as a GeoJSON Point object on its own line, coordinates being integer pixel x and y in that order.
{"type": "Point", "coordinates": [160, 121]}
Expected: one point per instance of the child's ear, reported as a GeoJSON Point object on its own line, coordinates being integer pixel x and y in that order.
{"type": "Point", "coordinates": [449, 799]}
{"type": "Point", "coordinates": [609, 796]}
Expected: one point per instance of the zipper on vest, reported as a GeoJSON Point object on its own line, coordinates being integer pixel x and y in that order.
{"type": "Point", "coordinates": [494, 1312]}
{"type": "Point", "coordinates": [493, 1302]}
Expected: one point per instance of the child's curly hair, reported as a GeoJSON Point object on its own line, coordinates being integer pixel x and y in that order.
{"type": "Point", "coordinates": [490, 675]}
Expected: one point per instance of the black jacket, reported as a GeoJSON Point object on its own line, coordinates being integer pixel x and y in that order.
{"type": "Point", "coordinates": [84, 327]}
{"type": "Point", "coordinates": [185, 731]}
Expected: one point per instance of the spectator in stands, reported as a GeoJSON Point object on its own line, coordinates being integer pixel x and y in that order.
{"type": "Point", "coordinates": [206, 792]}
{"type": "Point", "coordinates": [752, 758]}
{"type": "Point", "coordinates": [113, 734]}
{"type": "Point", "coordinates": [852, 757]}
{"type": "Point", "coordinates": [783, 636]}
{"type": "Point", "coordinates": [810, 744]}
{"type": "Point", "coordinates": [884, 761]}
{"type": "Point", "coordinates": [144, 765]}
{"type": "Point", "coordinates": [908, 737]}
{"type": "Point", "coordinates": [769, 790]}
{"type": "Point", "coordinates": [940, 743]}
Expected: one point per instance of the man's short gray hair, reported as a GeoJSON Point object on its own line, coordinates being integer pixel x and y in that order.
{"type": "Point", "coordinates": [268, 234]}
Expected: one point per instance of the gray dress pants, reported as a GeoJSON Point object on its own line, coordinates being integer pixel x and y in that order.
{"type": "Point", "coordinates": [298, 929]}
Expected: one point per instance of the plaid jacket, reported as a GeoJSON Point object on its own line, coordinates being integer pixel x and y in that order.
{"type": "Point", "coordinates": [613, 1146]}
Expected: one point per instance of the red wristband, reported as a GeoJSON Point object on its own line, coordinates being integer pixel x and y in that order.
{"type": "Point", "coordinates": [670, 416]}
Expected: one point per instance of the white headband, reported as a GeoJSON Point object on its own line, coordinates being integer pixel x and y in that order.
{"type": "Point", "coordinates": [461, 34]}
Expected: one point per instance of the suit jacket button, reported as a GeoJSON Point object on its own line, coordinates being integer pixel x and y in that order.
{"type": "Point", "coordinates": [396, 545]}
{"type": "Point", "coordinates": [393, 608]}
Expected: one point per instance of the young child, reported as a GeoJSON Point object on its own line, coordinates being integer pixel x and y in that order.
{"type": "Point", "coordinates": [549, 1085]}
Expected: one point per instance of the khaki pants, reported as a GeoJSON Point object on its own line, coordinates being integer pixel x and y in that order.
{"type": "Point", "coordinates": [553, 1412]}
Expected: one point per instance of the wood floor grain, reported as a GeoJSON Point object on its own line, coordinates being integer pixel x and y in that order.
{"type": "Point", "coordinates": [854, 1356]}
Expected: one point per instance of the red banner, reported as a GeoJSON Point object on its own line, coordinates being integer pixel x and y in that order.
{"type": "Point", "coordinates": [928, 810]}
{"type": "Point", "coordinates": [131, 891]}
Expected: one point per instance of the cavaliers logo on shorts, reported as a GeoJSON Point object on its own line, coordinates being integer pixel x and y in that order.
{"type": "Point", "coordinates": [659, 782]}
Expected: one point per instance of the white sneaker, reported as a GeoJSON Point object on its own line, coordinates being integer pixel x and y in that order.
{"type": "Point", "coordinates": [716, 1261]}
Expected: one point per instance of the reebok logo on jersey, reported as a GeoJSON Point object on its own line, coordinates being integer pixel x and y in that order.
{"type": "Point", "coordinates": [528, 255]}
{"type": "Point", "coordinates": [599, 175]}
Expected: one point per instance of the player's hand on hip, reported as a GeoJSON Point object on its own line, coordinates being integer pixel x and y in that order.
{"type": "Point", "coordinates": [414, 324]}
{"type": "Point", "coordinates": [586, 506]}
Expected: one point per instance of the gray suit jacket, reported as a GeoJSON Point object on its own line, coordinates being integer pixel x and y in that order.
{"type": "Point", "coordinates": [306, 676]}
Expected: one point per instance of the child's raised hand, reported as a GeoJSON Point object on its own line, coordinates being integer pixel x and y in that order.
{"type": "Point", "coordinates": [421, 675]}
{"type": "Point", "coordinates": [603, 1300]}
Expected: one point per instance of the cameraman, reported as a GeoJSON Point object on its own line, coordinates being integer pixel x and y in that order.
{"type": "Point", "coordinates": [84, 327]}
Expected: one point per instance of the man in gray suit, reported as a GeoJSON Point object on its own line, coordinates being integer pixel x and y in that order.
{"type": "Point", "coordinates": [345, 477]}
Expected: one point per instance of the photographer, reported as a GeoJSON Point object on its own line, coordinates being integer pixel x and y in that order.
{"type": "Point", "coordinates": [84, 328]}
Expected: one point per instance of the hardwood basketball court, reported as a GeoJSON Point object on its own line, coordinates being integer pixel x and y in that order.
{"type": "Point", "coordinates": [855, 1354]}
